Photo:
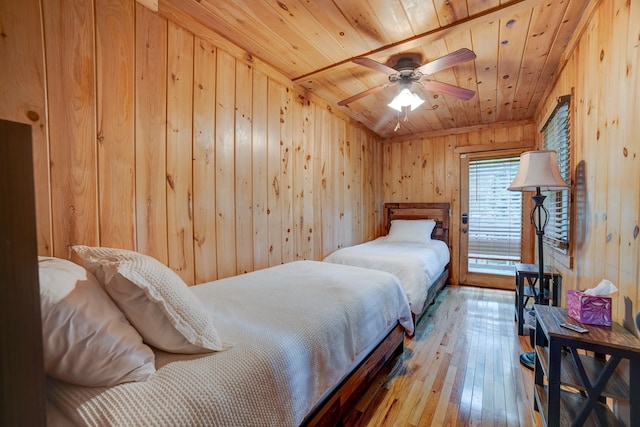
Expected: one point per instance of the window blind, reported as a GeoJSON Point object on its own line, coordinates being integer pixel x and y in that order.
{"type": "Point", "coordinates": [556, 136]}
{"type": "Point", "coordinates": [495, 215]}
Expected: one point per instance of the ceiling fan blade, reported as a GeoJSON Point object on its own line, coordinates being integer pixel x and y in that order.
{"type": "Point", "coordinates": [375, 65]}
{"type": "Point", "coordinates": [449, 60]}
{"type": "Point", "coordinates": [362, 94]}
{"type": "Point", "coordinates": [447, 89]}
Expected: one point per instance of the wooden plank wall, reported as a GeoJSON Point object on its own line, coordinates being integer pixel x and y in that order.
{"type": "Point", "coordinates": [151, 137]}
{"type": "Point", "coordinates": [22, 94]}
{"type": "Point", "coordinates": [426, 168]}
{"type": "Point", "coordinates": [603, 71]}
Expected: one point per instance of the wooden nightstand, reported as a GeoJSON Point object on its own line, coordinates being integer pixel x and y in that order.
{"type": "Point", "coordinates": [527, 287]}
{"type": "Point", "coordinates": [580, 371]}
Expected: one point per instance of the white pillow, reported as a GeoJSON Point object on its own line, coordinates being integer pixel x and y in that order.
{"type": "Point", "coordinates": [86, 339]}
{"type": "Point", "coordinates": [411, 230]}
{"type": "Point", "coordinates": [155, 300]}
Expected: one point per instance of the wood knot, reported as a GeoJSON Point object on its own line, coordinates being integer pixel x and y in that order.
{"type": "Point", "coordinates": [33, 116]}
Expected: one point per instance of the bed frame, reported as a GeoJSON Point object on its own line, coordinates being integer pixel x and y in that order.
{"type": "Point", "coordinates": [439, 212]}
{"type": "Point", "coordinates": [343, 399]}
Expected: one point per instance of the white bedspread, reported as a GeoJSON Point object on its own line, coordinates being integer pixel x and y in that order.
{"type": "Point", "coordinates": [416, 265]}
{"type": "Point", "coordinates": [298, 329]}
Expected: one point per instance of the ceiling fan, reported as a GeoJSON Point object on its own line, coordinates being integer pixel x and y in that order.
{"type": "Point", "coordinates": [406, 72]}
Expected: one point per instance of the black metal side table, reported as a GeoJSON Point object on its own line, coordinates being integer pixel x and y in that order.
{"type": "Point", "coordinates": [527, 288]}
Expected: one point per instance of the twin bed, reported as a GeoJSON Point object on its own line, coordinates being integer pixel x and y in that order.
{"type": "Point", "coordinates": [298, 343]}
{"type": "Point", "coordinates": [418, 259]}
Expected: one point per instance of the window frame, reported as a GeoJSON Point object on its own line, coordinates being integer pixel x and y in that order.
{"type": "Point", "coordinates": [515, 148]}
{"type": "Point", "coordinates": [561, 250]}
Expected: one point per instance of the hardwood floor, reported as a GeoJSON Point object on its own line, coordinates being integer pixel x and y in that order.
{"type": "Point", "coordinates": [460, 369]}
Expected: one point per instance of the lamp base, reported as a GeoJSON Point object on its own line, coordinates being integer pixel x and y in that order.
{"type": "Point", "coordinates": [528, 360]}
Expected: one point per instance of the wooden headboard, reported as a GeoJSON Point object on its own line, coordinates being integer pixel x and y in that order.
{"type": "Point", "coordinates": [436, 211]}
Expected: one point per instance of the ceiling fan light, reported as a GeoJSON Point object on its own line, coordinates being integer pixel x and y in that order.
{"type": "Point", "coordinates": [405, 98]}
{"type": "Point", "coordinates": [395, 104]}
{"type": "Point", "coordinates": [416, 101]}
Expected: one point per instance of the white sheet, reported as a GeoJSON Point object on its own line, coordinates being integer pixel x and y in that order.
{"type": "Point", "coordinates": [298, 330]}
{"type": "Point", "coordinates": [417, 265]}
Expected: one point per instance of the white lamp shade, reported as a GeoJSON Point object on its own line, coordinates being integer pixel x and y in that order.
{"type": "Point", "coordinates": [406, 98]}
{"type": "Point", "coordinates": [416, 101]}
{"type": "Point", "coordinates": [538, 169]}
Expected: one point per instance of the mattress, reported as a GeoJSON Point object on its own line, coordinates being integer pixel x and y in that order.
{"type": "Point", "coordinates": [417, 265]}
{"type": "Point", "coordinates": [297, 329]}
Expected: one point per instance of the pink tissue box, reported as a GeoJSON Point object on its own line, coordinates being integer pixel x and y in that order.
{"type": "Point", "coordinates": [588, 309]}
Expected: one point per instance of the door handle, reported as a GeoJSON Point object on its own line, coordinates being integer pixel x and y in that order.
{"type": "Point", "coordinates": [465, 218]}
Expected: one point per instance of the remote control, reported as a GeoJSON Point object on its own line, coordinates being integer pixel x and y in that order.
{"type": "Point", "coordinates": [574, 328]}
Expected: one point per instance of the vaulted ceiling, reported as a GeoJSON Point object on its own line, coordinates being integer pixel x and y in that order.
{"type": "Point", "coordinates": [518, 44]}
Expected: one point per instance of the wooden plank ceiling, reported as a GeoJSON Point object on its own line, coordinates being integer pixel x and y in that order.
{"type": "Point", "coordinates": [519, 45]}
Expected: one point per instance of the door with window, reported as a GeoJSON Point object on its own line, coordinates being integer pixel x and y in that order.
{"type": "Point", "coordinates": [491, 234]}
